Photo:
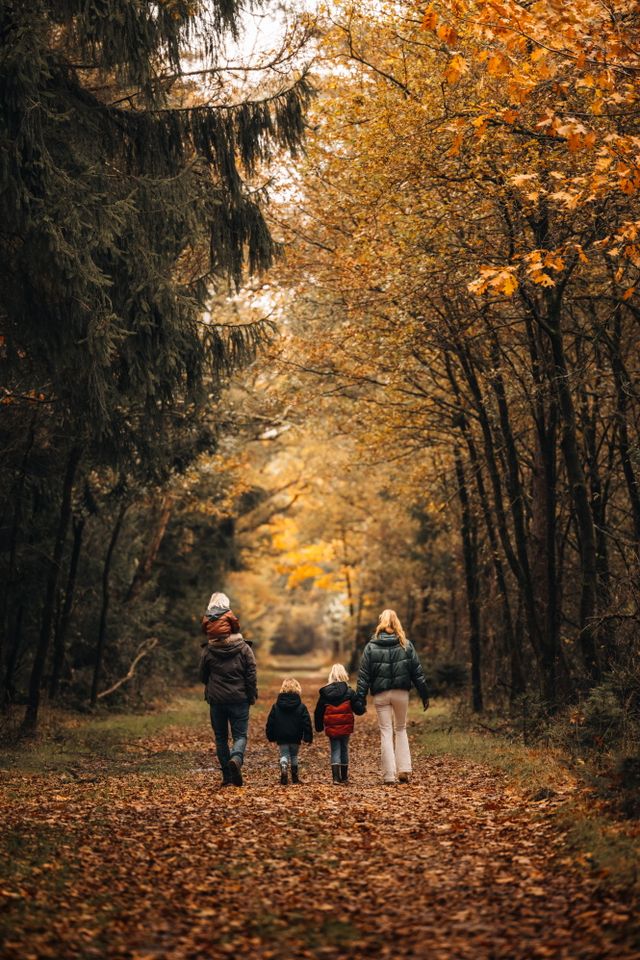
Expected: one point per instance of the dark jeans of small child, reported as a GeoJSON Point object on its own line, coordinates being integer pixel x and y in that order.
{"type": "Point", "coordinates": [339, 749]}
{"type": "Point", "coordinates": [236, 717]}
{"type": "Point", "coordinates": [289, 753]}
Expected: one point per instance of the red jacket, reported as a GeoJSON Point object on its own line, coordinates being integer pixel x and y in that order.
{"type": "Point", "coordinates": [338, 721]}
{"type": "Point", "coordinates": [335, 708]}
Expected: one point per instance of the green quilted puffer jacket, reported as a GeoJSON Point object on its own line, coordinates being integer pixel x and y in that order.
{"type": "Point", "coordinates": [387, 665]}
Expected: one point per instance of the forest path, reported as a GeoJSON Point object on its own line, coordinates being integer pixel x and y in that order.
{"type": "Point", "coordinates": [115, 862]}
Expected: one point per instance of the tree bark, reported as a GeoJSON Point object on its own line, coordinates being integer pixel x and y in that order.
{"type": "Point", "coordinates": [30, 721]}
{"type": "Point", "coordinates": [472, 574]}
{"type": "Point", "coordinates": [145, 568]}
{"type": "Point", "coordinates": [579, 493]}
{"type": "Point", "coordinates": [106, 597]}
{"type": "Point", "coordinates": [60, 635]}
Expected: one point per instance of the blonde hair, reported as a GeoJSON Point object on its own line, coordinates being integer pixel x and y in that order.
{"type": "Point", "coordinates": [290, 685]}
{"type": "Point", "coordinates": [338, 673]}
{"type": "Point", "coordinates": [388, 622]}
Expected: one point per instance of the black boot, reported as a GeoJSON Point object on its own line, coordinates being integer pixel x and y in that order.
{"type": "Point", "coordinates": [235, 772]}
{"type": "Point", "coordinates": [344, 772]}
{"type": "Point", "coordinates": [335, 770]}
{"type": "Point", "coordinates": [294, 775]}
{"type": "Point", "coordinates": [284, 776]}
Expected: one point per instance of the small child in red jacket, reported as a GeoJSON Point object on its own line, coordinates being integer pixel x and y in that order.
{"type": "Point", "coordinates": [334, 713]}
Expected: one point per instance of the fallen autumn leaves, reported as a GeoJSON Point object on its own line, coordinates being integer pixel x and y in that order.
{"type": "Point", "coordinates": [167, 866]}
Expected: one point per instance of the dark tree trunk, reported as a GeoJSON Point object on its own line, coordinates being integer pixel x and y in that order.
{"type": "Point", "coordinates": [33, 703]}
{"type": "Point", "coordinates": [106, 597]}
{"type": "Point", "coordinates": [579, 494]}
{"type": "Point", "coordinates": [472, 579]}
{"type": "Point", "coordinates": [9, 689]}
{"type": "Point", "coordinates": [621, 381]}
{"type": "Point", "coordinates": [8, 584]}
{"type": "Point", "coordinates": [514, 648]}
{"type": "Point", "coordinates": [145, 568]}
{"type": "Point", "coordinates": [60, 635]}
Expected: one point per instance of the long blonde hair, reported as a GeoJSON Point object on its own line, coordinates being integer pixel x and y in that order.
{"type": "Point", "coordinates": [290, 685]}
{"type": "Point", "coordinates": [338, 673]}
{"type": "Point", "coordinates": [388, 622]}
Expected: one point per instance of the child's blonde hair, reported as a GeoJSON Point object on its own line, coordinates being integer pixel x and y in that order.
{"type": "Point", "coordinates": [290, 685]}
{"type": "Point", "coordinates": [388, 622]}
{"type": "Point", "coordinates": [338, 673]}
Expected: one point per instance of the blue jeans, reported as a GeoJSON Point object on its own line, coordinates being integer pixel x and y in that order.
{"type": "Point", "coordinates": [339, 749]}
{"type": "Point", "coordinates": [236, 716]}
{"type": "Point", "coordinates": [289, 753]}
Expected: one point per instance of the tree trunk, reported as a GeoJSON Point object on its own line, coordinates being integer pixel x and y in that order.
{"type": "Point", "coordinates": [60, 635]}
{"type": "Point", "coordinates": [579, 494]}
{"type": "Point", "coordinates": [143, 573]}
{"type": "Point", "coordinates": [9, 581]}
{"type": "Point", "coordinates": [472, 575]}
{"type": "Point", "coordinates": [30, 721]}
{"type": "Point", "coordinates": [621, 379]}
{"type": "Point", "coordinates": [106, 596]}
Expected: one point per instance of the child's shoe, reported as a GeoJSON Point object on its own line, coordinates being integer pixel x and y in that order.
{"type": "Point", "coordinates": [335, 770]}
{"type": "Point", "coordinates": [294, 775]}
{"type": "Point", "coordinates": [403, 777]}
{"type": "Point", "coordinates": [284, 774]}
{"type": "Point", "coordinates": [344, 772]}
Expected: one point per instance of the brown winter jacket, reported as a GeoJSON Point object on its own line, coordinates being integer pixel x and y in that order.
{"type": "Point", "coordinates": [228, 670]}
{"type": "Point", "coordinates": [223, 625]}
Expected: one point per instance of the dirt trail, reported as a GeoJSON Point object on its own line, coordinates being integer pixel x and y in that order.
{"type": "Point", "coordinates": [169, 866]}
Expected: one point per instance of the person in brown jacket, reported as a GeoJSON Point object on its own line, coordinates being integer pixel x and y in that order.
{"type": "Point", "coordinates": [228, 670]}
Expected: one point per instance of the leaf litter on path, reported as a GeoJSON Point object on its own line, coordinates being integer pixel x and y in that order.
{"type": "Point", "coordinates": [167, 866]}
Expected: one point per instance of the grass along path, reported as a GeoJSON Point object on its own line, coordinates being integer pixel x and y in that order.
{"type": "Point", "coordinates": [118, 843]}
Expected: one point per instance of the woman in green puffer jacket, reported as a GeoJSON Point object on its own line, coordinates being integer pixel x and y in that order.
{"type": "Point", "coordinates": [389, 668]}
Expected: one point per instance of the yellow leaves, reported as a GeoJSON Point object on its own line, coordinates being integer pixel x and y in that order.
{"type": "Point", "coordinates": [456, 67]}
{"type": "Point", "coordinates": [447, 34]}
{"type": "Point", "coordinates": [494, 280]}
{"type": "Point", "coordinates": [306, 571]}
{"type": "Point", "coordinates": [497, 65]}
{"type": "Point", "coordinates": [430, 19]}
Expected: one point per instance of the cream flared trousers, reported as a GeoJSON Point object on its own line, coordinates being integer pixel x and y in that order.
{"type": "Point", "coordinates": [392, 706]}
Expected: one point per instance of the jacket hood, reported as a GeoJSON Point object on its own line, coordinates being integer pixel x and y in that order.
{"type": "Point", "coordinates": [386, 639]}
{"type": "Point", "coordinates": [289, 701]}
{"type": "Point", "coordinates": [214, 613]}
{"type": "Point", "coordinates": [218, 603]}
{"type": "Point", "coordinates": [226, 646]}
{"type": "Point", "coordinates": [336, 692]}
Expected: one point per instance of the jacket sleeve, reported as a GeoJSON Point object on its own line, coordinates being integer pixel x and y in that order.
{"type": "Point", "coordinates": [269, 729]}
{"type": "Point", "coordinates": [358, 704]}
{"type": "Point", "coordinates": [318, 715]}
{"type": "Point", "coordinates": [418, 677]}
{"type": "Point", "coordinates": [250, 675]}
{"type": "Point", "coordinates": [364, 674]}
{"type": "Point", "coordinates": [203, 670]}
{"type": "Point", "coordinates": [307, 730]}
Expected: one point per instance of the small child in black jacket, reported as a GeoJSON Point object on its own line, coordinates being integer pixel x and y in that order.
{"type": "Point", "coordinates": [288, 725]}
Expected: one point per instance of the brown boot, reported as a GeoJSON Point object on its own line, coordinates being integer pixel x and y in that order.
{"type": "Point", "coordinates": [335, 770]}
{"type": "Point", "coordinates": [344, 772]}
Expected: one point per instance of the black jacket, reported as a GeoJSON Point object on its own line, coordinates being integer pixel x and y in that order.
{"type": "Point", "coordinates": [289, 720]}
{"type": "Point", "coordinates": [333, 695]}
{"type": "Point", "coordinates": [387, 665]}
{"type": "Point", "coordinates": [228, 669]}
